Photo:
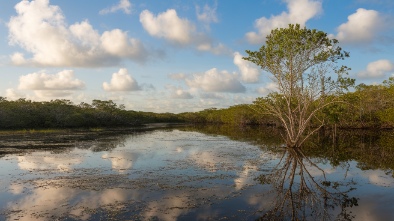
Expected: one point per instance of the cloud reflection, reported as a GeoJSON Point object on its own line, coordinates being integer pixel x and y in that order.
{"type": "Point", "coordinates": [121, 161]}
{"type": "Point", "coordinates": [45, 161]}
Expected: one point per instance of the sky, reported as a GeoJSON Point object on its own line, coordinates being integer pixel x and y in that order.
{"type": "Point", "coordinates": [173, 56]}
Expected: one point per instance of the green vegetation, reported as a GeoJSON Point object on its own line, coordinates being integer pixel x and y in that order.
{"type": "Point", "coordinates": [239, 115]}
{"type": "Point", "coordinates": [303, 63]}
{"type": "Point", "coordinates": [27, 114]}
{"type": "Point", "coordinates": [312, 94]}
{"type": "Point", "coordinates": [367, 107]}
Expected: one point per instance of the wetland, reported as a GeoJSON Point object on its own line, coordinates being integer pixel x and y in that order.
{"type": "Point", "coordinates": [178, 172]}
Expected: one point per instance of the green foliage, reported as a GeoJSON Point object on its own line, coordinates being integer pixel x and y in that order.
{"type": "Point", "coordinates": [25, 113]}
{"type": "Point", "coordinates": [303, 63]}
{"type": "Point", "coordinates": [295, 47]}
{"type": "Point", "coordinates": [369, 106]}
{"type": "Point", "coordinates": [238, 115]}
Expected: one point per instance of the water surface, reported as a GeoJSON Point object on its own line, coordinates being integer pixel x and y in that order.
{"type": "Point", "coordinates": [188, 173]}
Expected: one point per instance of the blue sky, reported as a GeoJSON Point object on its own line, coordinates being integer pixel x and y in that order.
{"type": "Point", "coordinates": [173, 56]}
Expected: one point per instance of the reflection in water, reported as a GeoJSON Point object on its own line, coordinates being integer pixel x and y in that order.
{"type": "Point", "coordinates": [45, 161]}
{"type": "Point", "coordinates": [57, 199]}
{"type": "Point", "coordinates": [301, 195]}
{"type": "Point", "coordinates": [207, 173]}
{"type": "Point", "coordinates": [165, 175]}
{"type": "Point", "coordinates": [121, 161]}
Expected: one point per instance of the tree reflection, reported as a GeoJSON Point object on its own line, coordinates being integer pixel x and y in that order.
{"type": "Point", "coordinates": [302, 191]}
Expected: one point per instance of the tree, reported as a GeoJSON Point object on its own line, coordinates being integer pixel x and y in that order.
{"type": "Point", "coordinates": [303, 64]}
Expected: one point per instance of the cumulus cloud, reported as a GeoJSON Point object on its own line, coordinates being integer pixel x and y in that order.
{"type": "Point", "coordinates": [178, 31]}
{"type": "Point", "coordinates": [18, 58]}
{"type": "Point", "coordinates": [377, 69]}
{"type": "Point", "coordinates": [168, 25]}
{"type": "Point", "coordinates": [250, 73]}
{"type": "Point", "coordinates": [12, 94]}
{"type": "Point", "coordinates": [361, 27]}
{"type": "Point", "coordinates": [216, 81]}
{"type": "Point", "coordinates": [117, 43]}
{"type": "Point", "coordinates": [41, 29]}
{"type": "Point", "coordinates": [123, 5]}
{"type": "Point", "coordinates": [64, 80]}
{"type": "Point", "coordinates": [299, 11]}
{"type": "Point", "coordinates": [45, 85]}
{"type": "Point", "coordinates": [121, 81]}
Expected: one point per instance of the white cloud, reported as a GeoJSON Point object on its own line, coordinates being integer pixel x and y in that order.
{"type": "Point", "coordinates": [207, 14]}
{"type": "Point", "coordinates": [361, 27]}
{"type": "Point", "coordinates": [46, 85]}
{"type": "Point", "coordinates": [178, 31]}
{"type": "Point", "coordinates": [168, 25]}
{"type": "Point", "coordinates": [41, 29]}
{"type": "Point", "coordinates": [117, 43]}
{"type": "Point", "coordinates": [121, 81]}
{"type": "Point", "coordinates": [181, 94]}
{"type": "Point", "coordinates": [85, 34]}
{"type": "Point", "coordinates": [123, 5]}
{"type": "Point", "coordinates": [250, 73]}
{"type": "Point", "coordinates": [215, 81]}
{"type": "Point", "coordinates": [214, 49]}
{"type": "Point", "coordinates": [299, 11]}
{"type": "Point", "coordinates": [18, 58]}
{"type": "Point", "coordinates": [64, 80]}
{"type": "Point", "coordinates": [43, 94]}
{"type": "Point", "coordinates": [12, 94]}
{"type": "Point", "coordinates": [377, 69]}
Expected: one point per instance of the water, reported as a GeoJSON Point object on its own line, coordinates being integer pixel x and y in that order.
{"type": "Point", "coordinates": [187, 173]}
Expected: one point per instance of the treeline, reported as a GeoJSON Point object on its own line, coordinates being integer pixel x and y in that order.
{"type": "Point", "coordinates": [240, 115]}
{"type": "Point", "coordinates": [368, 106]}
{"type": "Point", "coordinates": [23, 113]}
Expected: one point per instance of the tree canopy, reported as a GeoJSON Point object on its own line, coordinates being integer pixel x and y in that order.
{"type": "Point", "coordinates": [304, 65]}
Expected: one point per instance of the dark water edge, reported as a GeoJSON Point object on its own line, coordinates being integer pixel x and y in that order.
{"type": "Point", "coordinates": [13, 141]}
{"type": "Point", "coordinates": [195, 173]}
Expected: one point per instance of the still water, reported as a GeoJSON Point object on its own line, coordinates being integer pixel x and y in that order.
{"type": "Point", "coordinates": [190, 173]}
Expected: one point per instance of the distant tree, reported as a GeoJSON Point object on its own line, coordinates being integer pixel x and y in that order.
{"type": "Point", "coordinates": [302, 62]}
